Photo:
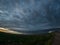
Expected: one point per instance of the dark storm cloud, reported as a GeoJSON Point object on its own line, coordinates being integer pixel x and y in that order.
{"type": "Point", "coordinates": [29, 14]}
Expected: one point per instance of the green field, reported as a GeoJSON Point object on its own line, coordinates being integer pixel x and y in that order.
{"type": "Point", "coordinates": [12, 39]}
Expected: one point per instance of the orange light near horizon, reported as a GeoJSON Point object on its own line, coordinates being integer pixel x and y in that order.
{"type": "Point", "coordinates": [8, 31]}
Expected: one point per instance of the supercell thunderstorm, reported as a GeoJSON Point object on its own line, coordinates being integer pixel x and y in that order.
{"type": "Point", "coordinates": [29, 14]}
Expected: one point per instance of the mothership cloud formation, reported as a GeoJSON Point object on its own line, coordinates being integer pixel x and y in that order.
{"type": "Point", "coordinates": [29, 15]}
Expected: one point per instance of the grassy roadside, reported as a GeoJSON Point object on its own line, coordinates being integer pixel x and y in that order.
{"type": "Point", "coordinates": [11, 39]}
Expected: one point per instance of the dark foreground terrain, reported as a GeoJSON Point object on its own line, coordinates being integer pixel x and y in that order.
{"type": "Point", "coordinates": [13, 39]}
{"type": "Point", "coordinates": [56, 40]}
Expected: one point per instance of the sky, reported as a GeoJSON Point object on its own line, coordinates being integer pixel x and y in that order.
{"type": "Point", "coordinates": [28, 15]}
